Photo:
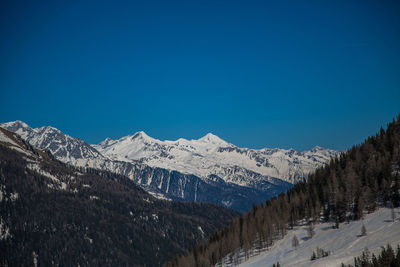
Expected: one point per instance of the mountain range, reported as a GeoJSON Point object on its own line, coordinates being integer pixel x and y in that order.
{"type": "Point", "coordinates": [208, 169]}
{"type": "Point", "coordinates": [54, 214]}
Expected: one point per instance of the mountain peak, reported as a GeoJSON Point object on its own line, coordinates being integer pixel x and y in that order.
{"type": "Point", "coordinates": [141, 135]}
{"type": "Point", "coordinates": [317, 148]}
{"type": "Point", "coordinates": [212, 138]}
{"type": "Point", "coordinates": [15, 124]}
{"type": "Point", "coordinates": [49, 129]}
{"type": "Point", "coordinates": [18, 127]}
{"type": "Point", "coordinates": [106, 142]}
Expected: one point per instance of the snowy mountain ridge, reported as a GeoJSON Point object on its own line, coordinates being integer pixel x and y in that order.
{"type": "Point", "coordinates": [208, 169]}
{"type": "Point", "coordinates": [210, 155]}
{"type": "Point", "coordinates": [62, 146]}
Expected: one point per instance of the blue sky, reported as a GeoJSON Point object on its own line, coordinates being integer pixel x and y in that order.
{"type": "Point", "coordinates": [256, 73]}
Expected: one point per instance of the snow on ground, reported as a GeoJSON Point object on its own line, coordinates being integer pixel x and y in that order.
{"type": "Point", "coordinates": [158, 195]}
{"type": "Point", "coordinates": [11, 143]}
{"type": "Point", "coordinates": [4, 230]}
{"type": "Point", "coordinates": [4, 138]}
{"type": "Point", "coordinates": [36, 168]}
{"type": "Point", "coordinates": [344, 243]}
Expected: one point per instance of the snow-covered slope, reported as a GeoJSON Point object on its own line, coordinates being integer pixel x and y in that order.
{"type": "Point", "coordinates": [343, 244]}
{"type": "Point", "coordinates": [210, 155]}
{"type": "Point", "coordinates": [33, 157]}
{"type": "Point", "coordinates": [12, 141]}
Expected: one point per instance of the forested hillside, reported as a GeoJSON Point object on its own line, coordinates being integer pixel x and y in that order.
{"type": "Point", "coordinates": [387, 257]}
{"type": "Point", "coordinates": [360, 180]}
{"type": "Point", "coordinates": [54, 215]}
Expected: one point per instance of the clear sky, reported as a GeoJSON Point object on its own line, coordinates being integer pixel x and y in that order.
{"type": "Point", "coordinates": [256, 73]}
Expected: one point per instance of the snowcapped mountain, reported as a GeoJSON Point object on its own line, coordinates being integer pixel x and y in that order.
{"type": "Point", "coordinates": [208, 169]}
{"type": "Point", "coordinates": [112, 221]}
{"type": "Point", "coordinates": [62, 146]}
{"type": "Point", "coordinates": [211, 156]}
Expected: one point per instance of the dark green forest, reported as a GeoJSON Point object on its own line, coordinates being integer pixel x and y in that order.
{"type": "Point", "coordinates": [360, 180]}
{"type": "Point", "coordinates": [97, 219]}
{"type": "Point", "coordinates": [387, 258]}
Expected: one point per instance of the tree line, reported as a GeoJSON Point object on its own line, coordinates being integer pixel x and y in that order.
{"type": "Point", "coordinates": [387, 258]}
{"type": "Point", "coordinates": [359, 180]}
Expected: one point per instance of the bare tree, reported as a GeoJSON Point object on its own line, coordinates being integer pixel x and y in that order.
{"type": "Point", "coordinates": [295, 241]}
{"type": "Point", "coordinates": [392, 213]}
{"type": "Point", "coordinates": [310, 230]}
{"type": "Point", "coordinates": [363, 230]}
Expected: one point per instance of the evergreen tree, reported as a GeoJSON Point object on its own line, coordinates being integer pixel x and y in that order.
{"type": "Point", "coordinates": [313, 256]}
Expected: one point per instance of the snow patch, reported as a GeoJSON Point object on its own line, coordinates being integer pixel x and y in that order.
{"type": "Point", "coordinates": [3, 195]}
{"type": "Point", "coordinates": [94, 197]}
{"type": "Point", "coordinates": [159, 195]}
{"type": "Point", "coordinates": [5, 139]}
{"type": "Point", "coordinates": [201, 231]}
{"type": "Point", "coordinates": [36, 168]}
{"type": "Point", "coordinates": [226, 203]}
{"type": "Point", "coordinates": [344, 243]}
{"type": "Point", "coordinates": [89, 239]}
{"type": "Point", "coordinates": [4, 230]}
{"type": "Point", "coordinates": [14, 196]}
{"type": "Point", "coordinates": [2, 192]}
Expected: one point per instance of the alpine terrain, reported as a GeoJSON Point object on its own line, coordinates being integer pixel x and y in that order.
{"type": "Point", "coordinates": [52, 214]}
{"type": "Point", "coordinates": [208, 169]}
{"type": "Point", "coordinates": [321, 215]}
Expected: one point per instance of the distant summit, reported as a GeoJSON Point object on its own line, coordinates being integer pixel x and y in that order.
{"type": "Point", "coordinates": [213, 139]}
{"type": "Point", "coordinates": [210, 155]}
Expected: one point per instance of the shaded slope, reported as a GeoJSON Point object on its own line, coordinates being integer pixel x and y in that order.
{"type": "Point", "coordinates": [67, 216]}
{"type": "Point", "coordinates": [240, 192]}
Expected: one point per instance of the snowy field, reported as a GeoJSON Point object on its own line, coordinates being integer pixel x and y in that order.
{"type": "Point", "coordinates": [343, 244]}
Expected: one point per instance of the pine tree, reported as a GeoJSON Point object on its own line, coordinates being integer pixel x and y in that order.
{"type": "Point", "coordinates": [313, 256]}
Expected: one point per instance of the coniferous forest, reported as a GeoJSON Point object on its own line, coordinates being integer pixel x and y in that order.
{"type": "Point", "coordinates": [360, 180]}
{"type": "Point", "coordinates": [52, 214]}
{"type": "Point", "coordinates": [388, 257]}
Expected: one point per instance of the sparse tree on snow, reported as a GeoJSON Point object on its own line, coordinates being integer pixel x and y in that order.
{"type": "Point", "coordinates": [363, 230]}
{"type": "Point", "coordinates": [295, 241]}
{"type": "Point", "coordinates": [393, 214]}
{"type": "Point", "coordinates": [310, 230]}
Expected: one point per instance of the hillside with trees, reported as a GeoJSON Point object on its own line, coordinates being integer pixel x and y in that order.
{"type": "Point", "coordinates": [52, 214]}
{"type": "Point", "coordinates": [360, 180]}
{"type": "Point", "coordinates": [388, 257]}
